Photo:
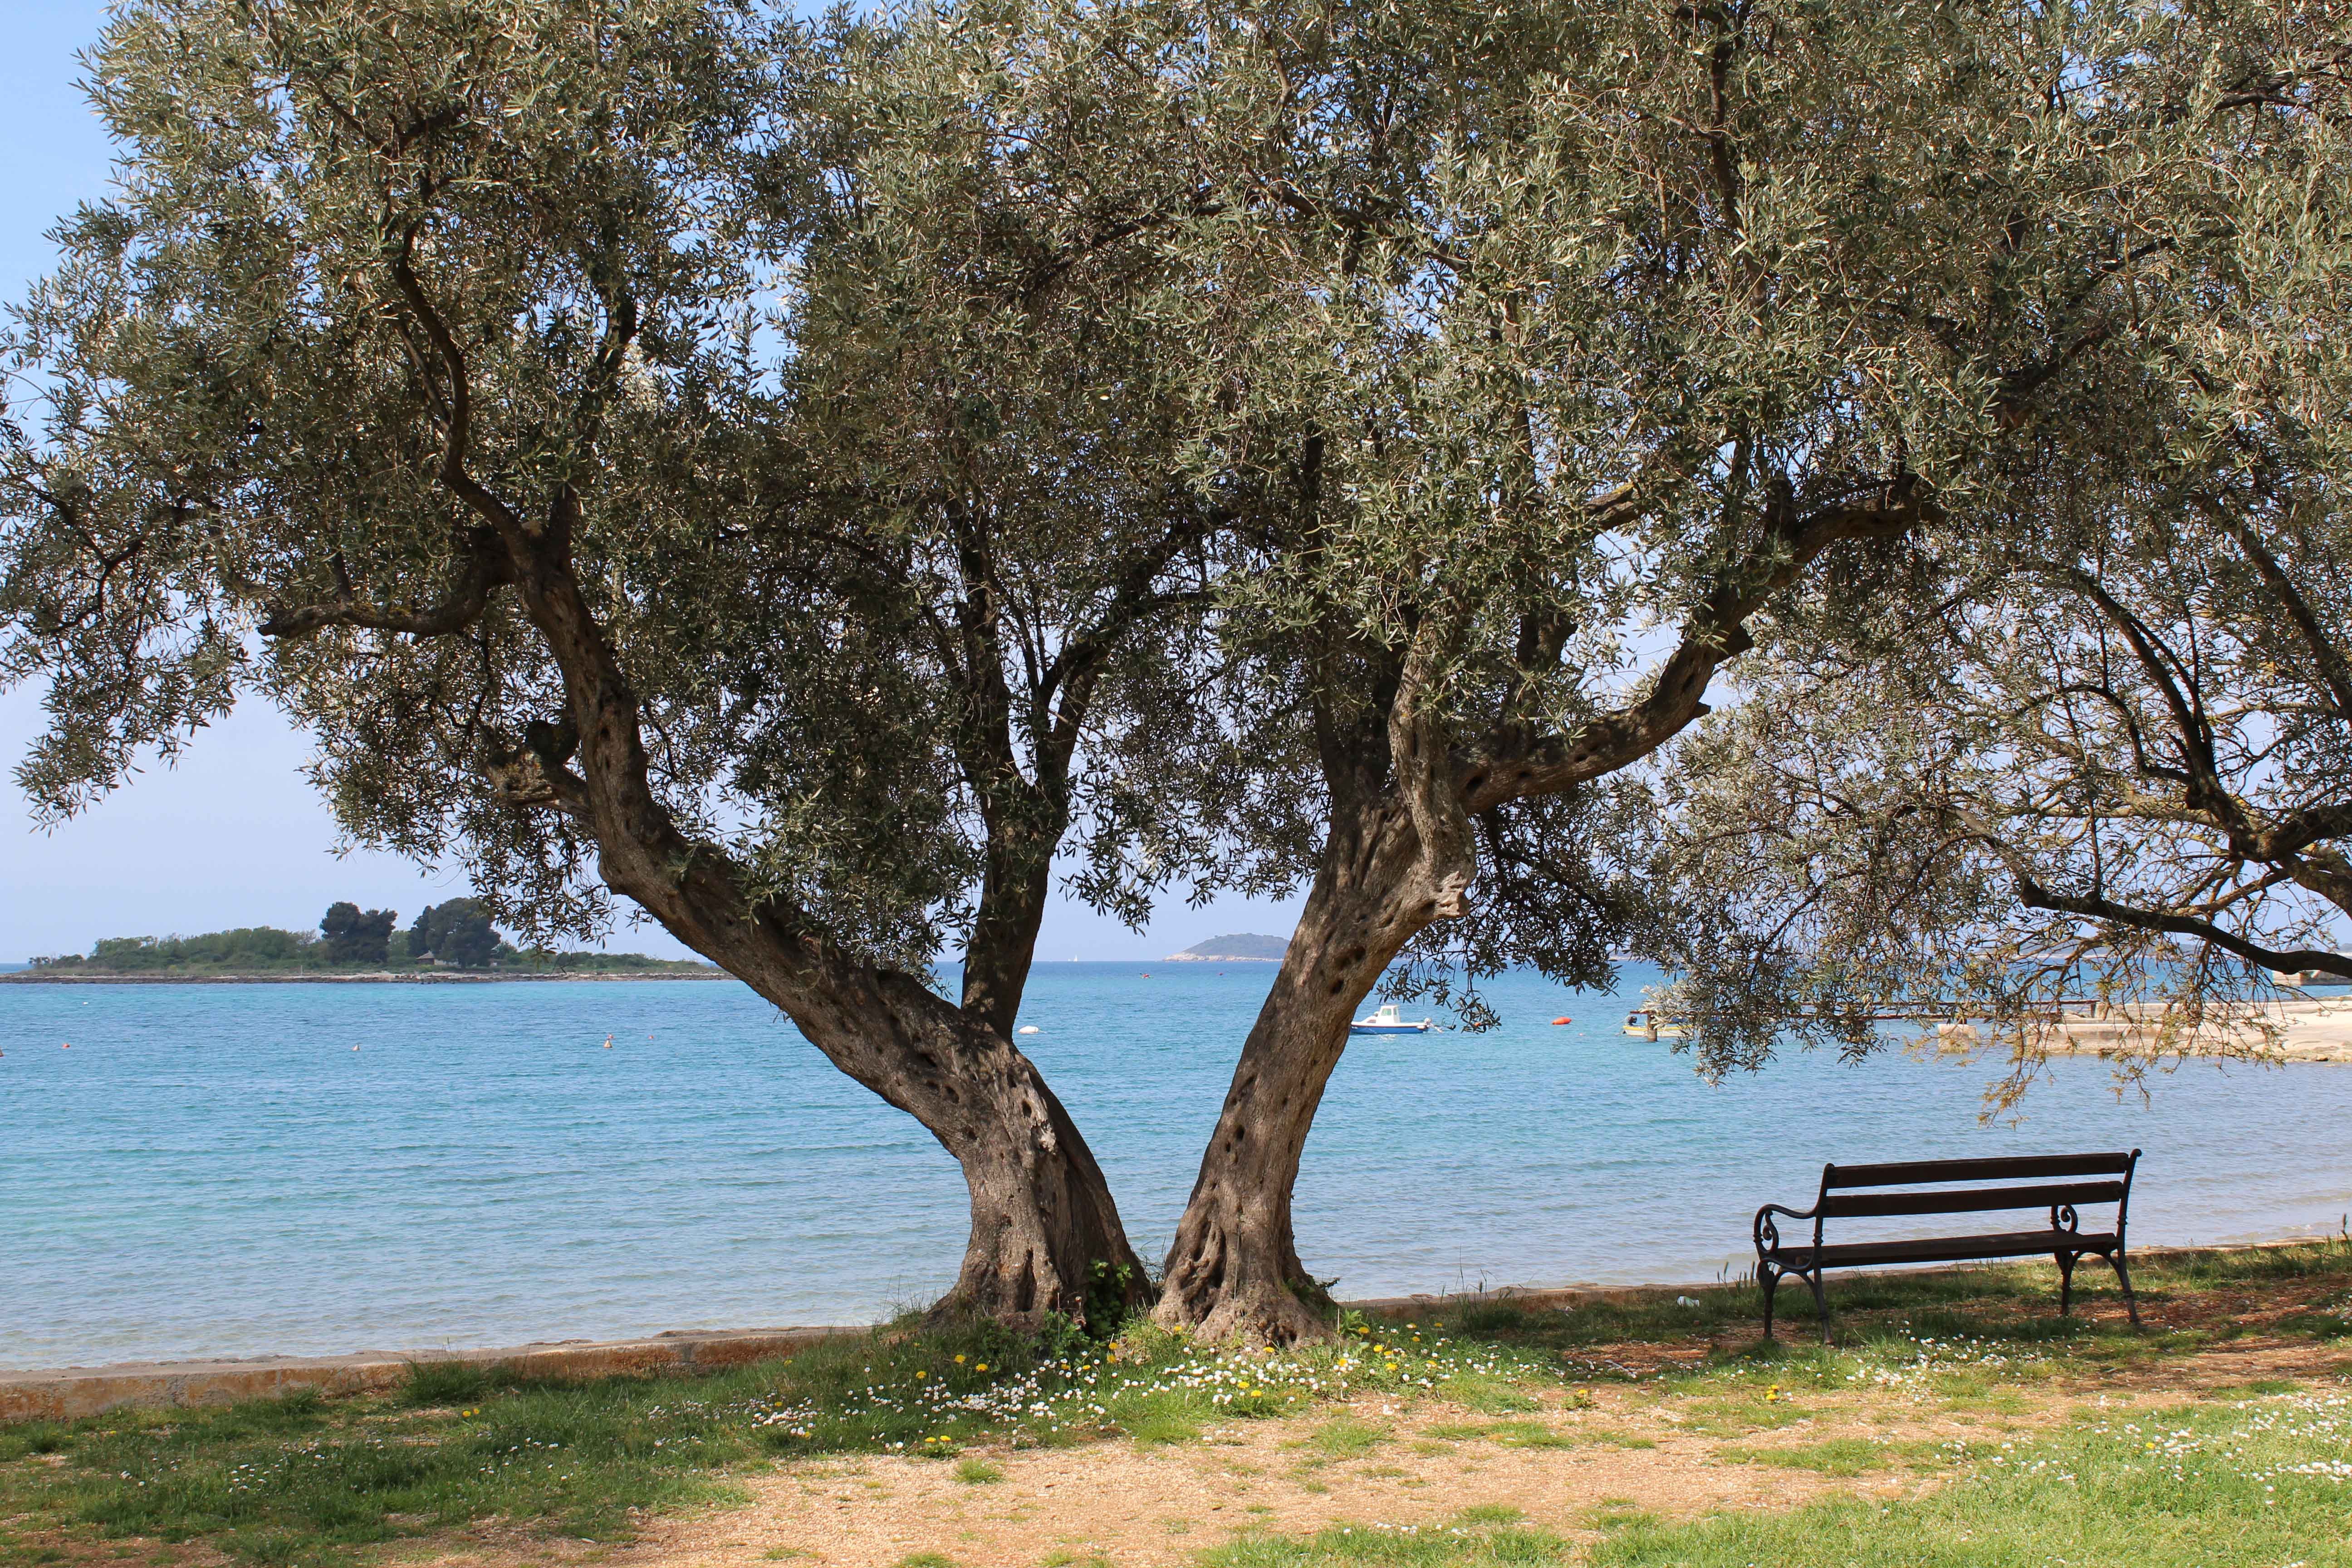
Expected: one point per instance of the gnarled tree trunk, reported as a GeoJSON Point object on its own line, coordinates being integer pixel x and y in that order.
{"type": "Point", "coordinates": [1398, 858]}
{"type": "Point", "coordinates": [1042, 1213]}
{"type": "Point", "coordinates": [1233, 1271]}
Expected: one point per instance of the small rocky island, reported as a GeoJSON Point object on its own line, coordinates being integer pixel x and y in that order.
{"type": "Point", "coordinates": [450, 940]}
{"type": "Point", "coordinates": [1239, 949]}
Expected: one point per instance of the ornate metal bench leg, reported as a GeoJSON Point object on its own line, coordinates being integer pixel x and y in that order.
{"type": "Point", "coordinates": [1769, 1278]}
{"type": "Point", "coordinates": [2123, 1278]}
{"type": "Point", "coordinates": [2065, 1283]}
{"type": "Point", "coordinates": [1820, 1305]}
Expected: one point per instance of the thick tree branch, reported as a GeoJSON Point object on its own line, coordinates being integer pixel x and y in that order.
{"type": "Point", "coordinates": [459, 397]}
{"type": "Point", "coordinates": [1421, 753]}
{"type": "Point", "coordinates": [2035, 896]}
{"type": "Point", "coordinates": [1713, 634]}
{"type": "Point", "coordinates": [485, 566]}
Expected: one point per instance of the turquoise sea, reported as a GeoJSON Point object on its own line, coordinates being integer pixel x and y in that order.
{"type": "Point", "coordinates": [214, 1171]}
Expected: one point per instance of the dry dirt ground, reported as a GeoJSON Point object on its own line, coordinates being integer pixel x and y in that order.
{"type": "Point", "coordinates": [1589, 1451]}
{"type": "Point", "coordinates": [1672, 1449]}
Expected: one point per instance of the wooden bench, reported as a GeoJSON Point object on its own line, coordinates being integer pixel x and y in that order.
{"type": "Point", "coordinates": [2052, 1182]}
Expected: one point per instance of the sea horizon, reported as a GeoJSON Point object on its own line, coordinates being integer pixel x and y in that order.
{"type": "Point", "coordinates": [216, 1170]}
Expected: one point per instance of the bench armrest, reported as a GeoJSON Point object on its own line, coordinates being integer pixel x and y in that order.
{"type": "Point", "coordinates": [1768, 1235]}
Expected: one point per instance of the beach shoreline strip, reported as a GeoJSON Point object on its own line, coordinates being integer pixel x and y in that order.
{"type": "Point", "coordinates": [66, 1394]}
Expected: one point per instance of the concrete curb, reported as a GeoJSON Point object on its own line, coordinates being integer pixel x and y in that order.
{"type": "Point", "coordinates": [67, 1393]}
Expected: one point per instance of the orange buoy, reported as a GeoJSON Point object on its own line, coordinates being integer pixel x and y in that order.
{"type": "Point", "coordinates": [1563, 1020]}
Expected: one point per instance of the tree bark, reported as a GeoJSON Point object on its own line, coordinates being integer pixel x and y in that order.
{"type": "Point", "coordinates": [1233, 1271]}
{"type": "Point", "coordinates": [1398, 858]}
{"type": "Point", "coordinates": [1015, 883]}
{"type": "Point", "coordinates": [1042, 1213]}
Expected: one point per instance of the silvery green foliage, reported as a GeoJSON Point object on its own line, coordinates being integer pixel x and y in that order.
{"type": "Point", "coordinates": [1616, 325]}
{"type": "Point", "coordinates": [2098, 747]}
{"type": "Point", "coordinates": [228, 413]}
{"type": "Point", "coordinates": [834, 337]}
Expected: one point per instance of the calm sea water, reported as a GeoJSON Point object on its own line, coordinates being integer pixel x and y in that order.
{"type": "Point", "coordinates": [214, 1170]}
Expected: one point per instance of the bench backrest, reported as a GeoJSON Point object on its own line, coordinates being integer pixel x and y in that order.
{"type": "Point", "coordinates": [2032, 1182]}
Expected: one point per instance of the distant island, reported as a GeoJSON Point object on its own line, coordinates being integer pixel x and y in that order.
{"type": "Point", "coordinates": [449, 941]}
{"type": "Point", "coordinates": [1243, 948]}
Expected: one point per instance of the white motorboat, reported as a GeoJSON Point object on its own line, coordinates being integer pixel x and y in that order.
{"type": "Point", "coordinates": [1388, 1021]}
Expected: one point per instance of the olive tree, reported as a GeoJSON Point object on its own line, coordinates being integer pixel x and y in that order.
{"type": "Point", "coordinates": [2102, 751]}
{"type": "Point", "coordinates": [1618, 327]}
{"type": "Point", "coordinates": [659, 452]}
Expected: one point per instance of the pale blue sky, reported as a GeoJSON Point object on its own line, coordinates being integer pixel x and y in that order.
{"type": "Point", "coordinates": [232, 836]}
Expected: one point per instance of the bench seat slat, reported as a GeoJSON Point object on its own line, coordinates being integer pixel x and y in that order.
{"type": "Point", "coordinates": [1909, 1172]}
{"type": "Point", "coordinates": [1949, 1248]}
{"type": "Point", "coordinates": [1970, 1200]}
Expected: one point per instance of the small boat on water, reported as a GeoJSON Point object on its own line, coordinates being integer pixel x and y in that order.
{"type": "Point", "coordinates": [1388, 1021]}
{"type": "Point", "coordinates": [1644, 1024]}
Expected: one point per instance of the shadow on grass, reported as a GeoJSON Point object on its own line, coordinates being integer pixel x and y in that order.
{"type": "Point", "coordinates": [2016, 1303]}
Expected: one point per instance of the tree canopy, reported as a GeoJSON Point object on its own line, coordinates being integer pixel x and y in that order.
{"type": "Point", "coordinates": [658, 449]}
{"type": "Point", "coordinates": [801, 479]}
{"type": "Point", "coordinates": [355, 936]}
{"type": "Point", "coordinates": [2100, 749]}
{"type": "Point", "coordinates": [456, 931]}
{"type": "Point", "coordinates": [1624, 331]}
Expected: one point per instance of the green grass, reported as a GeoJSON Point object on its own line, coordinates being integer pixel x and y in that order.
{"type": "Point", "coordinates": [1528, 1435]}
{"type": "Point", "coordinates": [1347, 1437]}
{"type": "Point", "coordinates": [1837, 1457]}
{"type": "Point", "coordinates": [1509, 1434]}
{"type": "Point", "coordinates": [1467, 1545]}
{"type": "Point", "coordinates": [2225, 1483]}
{"type": "Point", "coordinates": [303, 1481]}
{"type": "Point", "coordinates": [1491, 1396]}
{"type": "Point", "coordinates": [449, 1383]}
{"type": "Point", "coordinates": [2215, 1485]}
{"type": "Point", "coordinates": [297, 1480]}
